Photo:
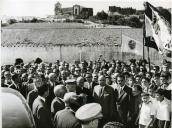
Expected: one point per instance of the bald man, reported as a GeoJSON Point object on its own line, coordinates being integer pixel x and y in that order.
{"type": "Point", "coordinates": [66, 118]}
{"type": "Point", "coordinates": [58, 102]}
{"type": "Point", "coordinates": [106, 97]}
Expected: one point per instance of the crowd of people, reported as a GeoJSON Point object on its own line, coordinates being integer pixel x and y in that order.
{"type": "Point", "coordinates": [100, 94]}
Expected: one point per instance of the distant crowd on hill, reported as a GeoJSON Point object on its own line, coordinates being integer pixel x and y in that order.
{"type": "Point", "coordinates": [100, 94]}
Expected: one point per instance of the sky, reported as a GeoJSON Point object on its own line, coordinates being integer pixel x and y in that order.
{"type": "Point", "coordinates": [42, 8]}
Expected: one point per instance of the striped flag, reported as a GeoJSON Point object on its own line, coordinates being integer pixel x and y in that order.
{"type": "Point", "coordinates": [159, 28]}
{"type": "Point", "coordinates": [131, 45]}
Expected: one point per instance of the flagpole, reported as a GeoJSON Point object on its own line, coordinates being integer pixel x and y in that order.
{"type": "Point", "coordinates": [121, 44]}
{"type": "Point", "coordinates": [148, 59]}
{"type": "Point", "coordinates": [144, 37]}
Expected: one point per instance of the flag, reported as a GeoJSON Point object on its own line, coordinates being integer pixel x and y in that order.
{"type": "Point", "coordinates": [150, 42]}
{"type": "Point", "coordinates": [159, 28]}
{"type": "Point", "coordinates": [131, 45]}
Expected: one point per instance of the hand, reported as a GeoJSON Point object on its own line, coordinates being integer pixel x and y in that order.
{"type": "Point", "coordinates": [129, 118]}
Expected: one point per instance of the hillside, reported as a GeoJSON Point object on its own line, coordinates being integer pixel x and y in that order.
{"type": "Point", "coordinates": [53, 35]}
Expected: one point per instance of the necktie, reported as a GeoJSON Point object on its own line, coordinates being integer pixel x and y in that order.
{"type": "Point", "coordinates": [120, 91]}
{"type": "Point", "coordinates": [101, 91]}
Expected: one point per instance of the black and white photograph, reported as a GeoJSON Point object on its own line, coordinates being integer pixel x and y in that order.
{"type": "Point", "coordinates": [86, 64]}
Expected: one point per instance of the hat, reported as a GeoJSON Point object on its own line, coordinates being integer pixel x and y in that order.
{"type": "Point", "coordinates": [70, 81]}
{"type": "Point", "coordinates": [89, 112]}
{"type": "Point", "coordinates": [18, 61]}
{"type": "Point", "coordinates": [38, 60]}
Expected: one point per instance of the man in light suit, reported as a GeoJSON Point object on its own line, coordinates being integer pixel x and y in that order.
{"type": "Point", "coordinates": [40, 110]}
{"type": "Point", "coordinates": [124, 101]}
{"type": "Point", "coordinates": [106, 97]}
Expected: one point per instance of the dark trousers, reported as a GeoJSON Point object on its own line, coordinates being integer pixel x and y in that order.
{"type": "Point", "coordinates": [160, 124]}
{"type": "Point", "coordinates": [142, 126]}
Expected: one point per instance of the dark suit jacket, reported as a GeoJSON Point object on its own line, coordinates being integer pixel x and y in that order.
{"type": "Point", "coordinates": [92, 85]}
{"type": "Point", "coordinates": [32, 95]}
{"type": "Point", "coordinates": [57, 105]}
{"type": "Point", "coordinates": [66, 119]}
{"type": "Point", "coordinates": [107, 100]}
{"type": "Point", "coordinates": [41, 114]}
{"type": "Point", "coordinates": [86, 91]}
{"type": "Point", "coordinates": [51, 95]}
{"type": "Point", "coordinates": [125, 103]}
{"type": "Point", "coordinates": [16, 87]}
{"type": "Point", "coordinates": [19, 88]}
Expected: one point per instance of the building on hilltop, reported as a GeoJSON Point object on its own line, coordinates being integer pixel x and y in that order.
{"type": "Point", "coordinates": [114, 10]}
{"type": "Point", "coordinates": [76, 10]}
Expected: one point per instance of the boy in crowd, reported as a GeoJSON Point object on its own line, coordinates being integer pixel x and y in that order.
{"type": "Point", "coordinates": [145, 84]}
{"type": "Point", "coordinates": [162, 110]}
{"type": "Point", "coordinates": [147, 112]}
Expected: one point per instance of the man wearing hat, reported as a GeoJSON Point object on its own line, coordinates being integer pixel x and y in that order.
{"type": "Point", "coordinates": [71, 85]}
{"type": "Point", "coordinates": [89, 115]}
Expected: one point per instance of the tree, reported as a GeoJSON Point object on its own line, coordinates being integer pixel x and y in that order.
{"type": "Point", "coordinates": [34, 20]}
{"type": "Point", "coordinates": [102, 15]}
{"type": "Point", "coordinates": [12, 21]}
{"type": "Point", "coordinates": [133, 21]}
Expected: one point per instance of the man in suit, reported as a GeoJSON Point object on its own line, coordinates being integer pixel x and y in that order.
{"type": "Point", "coordinates": [58, 102]}
{"type": "Point", "coordinates": [51, 85]}
{"type": "Point", "coordinates": [17, 85]}
{"type": "Point", "coordinates": [8, 80]}
{"type": "Point", "coordinates": [89, 84]}
{"type": "Point", "coordinates": [66, 118]}
{"type": "Point", "coordinates": [106, 97]}
{"type": "Point", "coordinates": [40, 110]}
{"type": "Point", "coordinates": [80, 89]}
{"type": "Point", "coordinates": [124, 101]}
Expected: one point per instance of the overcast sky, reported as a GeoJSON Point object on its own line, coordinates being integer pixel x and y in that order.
{"type": "Point", "coordinates": [43, 8]}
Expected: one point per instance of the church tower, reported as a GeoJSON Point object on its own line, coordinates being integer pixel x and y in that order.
{"type": "Point", "coordinates": [57, 9]}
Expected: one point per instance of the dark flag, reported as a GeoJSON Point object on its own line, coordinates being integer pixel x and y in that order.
{"type": "Point", "coordinates": [150, 42]}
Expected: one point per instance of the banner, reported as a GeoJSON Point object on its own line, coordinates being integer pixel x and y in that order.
{"type": "Point", "coordinates": [131, 45]}
{"type": "Point", "coordinates": [159, 28]}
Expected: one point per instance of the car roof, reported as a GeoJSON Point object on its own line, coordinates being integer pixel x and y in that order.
{"type": "Point", "coordinates": [15, 111]}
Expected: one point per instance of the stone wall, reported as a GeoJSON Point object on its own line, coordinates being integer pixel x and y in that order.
{"type": "Point", "coordinates": [70, 53]}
